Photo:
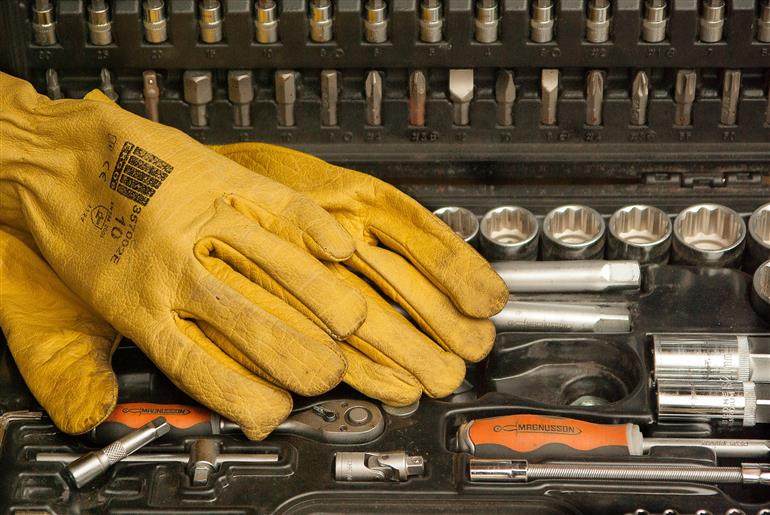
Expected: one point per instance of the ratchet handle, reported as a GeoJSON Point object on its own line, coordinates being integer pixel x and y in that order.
{"type": "Point", "coordinates": [544, 437]}
{"type": "Point", "coordinates": [184, 420]}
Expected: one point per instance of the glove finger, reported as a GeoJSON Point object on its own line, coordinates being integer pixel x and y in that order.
{"type": "Point", "coordinates": [469, 338]}
{"type": "Point", "coordinates": [387, 383]}
{"type": "Point", "coordinates": [254, 252]}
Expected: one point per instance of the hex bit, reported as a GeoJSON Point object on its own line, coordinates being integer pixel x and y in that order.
{"type": "Point", "coordinates": [240, 92]}
{"type": "Point", "coordinates": [549, 96]}
{"type": "Point", "coordinates": [505, 95]}
{"type": "Point", "coordinates": [373, 94]}
{"type": "Point", "coordinates": [151, 94]}
{"type": "Point", "coordinates": [52, 86]}
{"type": "Point", "coordinates": [418, 92]}
{"type": "Point", "coordinates": [285, 96]}
{"type": "Point", "coordinates": [198, 92]}
{"type": "Point", "coordinates": [594, 97]}
{"type": "Point", "coordinates": [461, 94]}
{"type": "Point", "coordinates": [731, 92]}
{"type": "Point", "coordinates": [684, 96]}
{"type": "Point", "coordinates": [329, 95]}
{"type": "Point", "coordinates": [640, 95]}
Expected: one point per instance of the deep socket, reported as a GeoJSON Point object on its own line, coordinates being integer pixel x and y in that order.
{"type": "Point", "coordinates": [709, 235]}
{"type": "Point", "coordinates": [729, 403]}
{"type": "Point", "coordinates": [712, 20]}
{"type": "Point", "coordinates": [641, 233]}
{"type": "Point", "coordinates": [654, 21]}
{"type": "Point", "coordinates": [376, 21]}
{"type": "Point", "coordinates": [462, 222]}
{"type": "Point", "coordinates": [760, 291]}
{"type": "Point", "coordinates": [598, 21]}
{"type": "Point", "coordinates": [266, 22]}
{"type": "Point", "coordinates": [487, 21]}
{"type": "Point", "coordinates": [573, 232]}
{"type": "Point", "coordinates": [99, 23]}
{"type": "Point", "coordinates": [561, 317]}
{"type": "Point", "coordinates": [542, 21]}
{"type": "Point", "coordinates": [758, 244]}
{"type": "Point", "coordinates": [43, 23]}
{"type": "Point", "coordinates": [569, 276]}
{"type": "Point", "coordinates": [431, 21]}
{"type": "Point", "coordinates": [509, 233]}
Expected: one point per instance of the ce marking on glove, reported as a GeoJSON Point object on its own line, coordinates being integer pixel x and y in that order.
{"type": "Point", "coordinates": [118, 227]}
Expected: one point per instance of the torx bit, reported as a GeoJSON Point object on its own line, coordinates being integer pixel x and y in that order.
{"type": "Point", "coordinates": [99, 24]}
{"type": "Point", "coordinates": [266, 22]}
{"type": "Point", "coordinates": [151, 94]}
{"type": "Point", "coordinates": [155, 26]}
{"type": "Point", "coordinates": [329, 93]}
{"type": "Point", "coordinates": [486, 21]}
{"type": "Point", "coordinates": [461, 94]}
{"type": "Point", "coordinates": [598, 21]}
{"type": "Point", "coordinates": [418, 92]}
{"type": "Point", "coordinates": [373, 93]}
{"type": "Point", "coordinates": [763, 24]}
{"type": "Point", "coordinates": [505, 94]}
{"type": "Point", "coordinates": [285, 95]}
{"type": "Point", "coordinates": [43, 23]}
{"type": "Point", "coordinates": [731, 92]}
{"type": "Point", "coordinates": [211, 21]}
{"type": "Point", "coordinates": [712, 21]}
{"type": "Point", "coordinates": [321, 29]}
{"type": "Point", "coordinates": [654, 21]}
{"type": "Point", "coordinates": [684, 96]}
{"type": "Point", "coordinates": [640, 95]}
{"type": "Point", "coordinates": [431, 21]}
{"type": "Point", "coordinates": [52, 87]}
{"type": "Point", "coordinates": [240, 92]}
{"type": "Point", "coordinates": [542, 22]}
{"type": "Point", "coordinates": [106, 85]}
{"type": "Point", "coordinates": [549, 96]}
{"type": "Point", "coordinates": [594, 97]}
{"type": "Point", "coordinates": [198, 92]}
{"type": "Point", "coordinates": [376, 21]}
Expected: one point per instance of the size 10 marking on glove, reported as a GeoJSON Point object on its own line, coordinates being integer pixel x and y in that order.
{"type": "Point", "coordinates": [138, 173]}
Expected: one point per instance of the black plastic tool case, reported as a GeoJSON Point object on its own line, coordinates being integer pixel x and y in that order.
{"type": "Point", "coordinates": [478, 166]}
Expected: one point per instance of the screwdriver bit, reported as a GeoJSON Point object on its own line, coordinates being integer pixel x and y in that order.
{"type": "Point", "coordinates": [52, 87]}
{"type": "Point", "coordinates": [267, 21]}
{"type": "Point", "coordinates": [99, 24]}
{"type": "Point", "coordinates": [731, 91]}
{"type": "Point", "coordinates": [549, 95]}
{"type": "Point", "coordinates": [684, 96]}
{"type": "Point", "coordinates": [461, 93]}
{"type": "Point", "coordinates": [240, 92]}
{"type": "Point", "coordinates": [376, 21]}
{"type": "Point", "coordinates": [487, 21]}
{"type": "Point", "coordinates": [654, 21]}
{"type": "Point", "coordinates": [198, 92]}
{"type": "Point", "coordinates": [43, 23]}
{"type": "Point", "coordinates": [594, 97]}
{"type": "Point", "coordinates": [418, 92]}
{"type": "Point", "coordinates": [106, 85]}
{"type": "Point", "coordinates": [763, 24]}
{"type": "Point", "coordinates": [640, 94]}
{"type": "Point", "coordinates": [285, 95]}
{"type": "Point", "coordinates": [431, 21]}
{"type": "Point", "coordinates": [712, 20]}
{"type": "Point", "coordinates": [151, 94]}
{"type": "Point", "coordinates": [505, 94]}
{"type": "Point", "coordinates": [373, 91]}
{"type": "Point", "coordinates": [211, 21]}
{"type": "Point", "coordinates": [155, 30]}
{"type": "Point", "coordinates": [598, 21]}
{"type": "Point", "coordinates": [329, 94]}
{"type": "Point", "coordinates": [542, 21]}
{"type": "Point", "coordinates": [321, 30]}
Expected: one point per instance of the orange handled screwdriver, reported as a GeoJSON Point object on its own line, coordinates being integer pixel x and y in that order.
{"type": "Point", "coordinates": [544, 437]}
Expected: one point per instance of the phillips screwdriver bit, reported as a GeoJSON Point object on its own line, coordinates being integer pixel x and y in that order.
{"type": "Point", "coordinates": [106, 85]}
{"type": "Point", "coordinates": [684, 96]}
{"type": "Point", "coordinates": [640, 95]}
{"type": "Point", "coordinates": [486, 21]}
{"type": "Point", "coordinates": [549, 96]}
{"type": "Point", "coordinates": [598, 21]}
{"type": "Point", "coordinates": [654, 21]}
{"type": "Point", "coordinates": [505, 94]}
{"type": "Point", "coordinates": [155, 30]}
{"type": "Point", "coordinates": [151, 94]}
{"type": "Point", "coordinates": [99, 24]}
{"type": "Point", "coordinates": [52, 87]}
{"type": "Point", "coordinates": [43, 23]}
{"type": "Point", "coordinates": [418, 92]}
{"type": "Point", "coordinates": [731, 92]}
{"type": "Point", "coordinates": [542, 21]}
{"type": "Point", "coordinates": [431, 21]}
{"type": "Point", "coordinates": [267, 21]}
{"type": "Point", "coordinates": [198, 92]}
{"type": "Point", "coordinates": [285, 95]}
{"type": "Point", "coordinates": [376, 21]}
{"type": "Point", "coordinates": [763, 24]}
{"type": "Point", "coordinates": [329, 94]}
{"type": "Point", "coordinates": [321, 30]}
{"type": "Point", "coordinates": [712, 20]}
{"type": "Point", "coordinates": [211, 21]}
{"type": "Point", "coordinates": [594, 97]}
{"type": "Point", "coordinates": [461, 94]}
{"type": "Point", "coordinates": [373, 92]}
{"type": "Point", "coordinates": [240, 92]}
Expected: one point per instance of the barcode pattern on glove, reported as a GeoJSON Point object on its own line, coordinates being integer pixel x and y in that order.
{"type": "Point", "coordinates": [138, 173]}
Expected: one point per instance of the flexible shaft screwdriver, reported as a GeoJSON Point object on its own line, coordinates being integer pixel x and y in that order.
{"type": "Point", "coordinates": [544, 437]}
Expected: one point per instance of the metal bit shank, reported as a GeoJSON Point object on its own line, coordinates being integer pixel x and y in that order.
{"type": "Point", "coordinates": [329, 94]}
{"type": "Point", "coordinates": [684, 96]}
{"type": "Point", "coordinates": [594, 97]}
{"type": "Point", "coordinates": [505, 95]}
{"type": "Point", "coordinates": [461, 93]}
{"type": "Point", "coordinates": [418, 91]}
{"type": "Point", "coordinates": [562, 317]}
{"type": "Point", "coordinates": [285, 95]}
{"type": "Point", "coordinates": [731, 92]}
{"type": "Point", "coordinates": [569, 276]}
{"type": "Point", "coordinates": [373, 93]}
{"type": "Point", "coordinates": [640, 94]}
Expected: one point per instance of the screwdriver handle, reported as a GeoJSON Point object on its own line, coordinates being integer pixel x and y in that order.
{"type": "Point", "coordinates": [544, 437]}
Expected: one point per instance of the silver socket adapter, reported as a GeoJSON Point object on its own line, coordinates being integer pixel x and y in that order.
{"type": "Point", "coordinates": [760, 291]}
{"type": "Point", "coordinates": [542, 21]}
{"type": "Point", "coordinates": [154, 21]}
{"type": "Point", "coordinates": [487, 21]}
{"type": "Point", "coordinates": [509, 233]}
{"type": "Point", "coordinates": [573, 232]}
{"type": "Point", "coordinates": [43, 23]}
{"type": "Point", "coordinates": [523, 316]}
{"type": "Point", "coordinates": [569, 276]}
{"type": "Point", "coordinates": [709, 235]}
{"type": "Point", "coordinates": [377, 466]}
{"type": "Point", "coordinates": [99, 23]}
{"type": "Point", "coordinates": [712, 20]}
{"type": "Point", "coordinates": [376, 21]}
{"type": "Point", "coordinates": [711, 357]}
{"type": "Point", "coordinates": [210, 21]}
{"type": "Point", "coordinates": [729, 403]}
{"type": "Point", "coordinates": [654, 21]}
{"type": "Point", "coordinates": [598, 21]}
{"type": "Point", "coordinates": [641, 233]}
{"type": "Point", "coordinates": [758, 244]}
{"type": "Point", "coordinates": [431, 21]}
{"type": "Point", "coordinates": [198, 92]}
{"type": "Point", "coordinates": [763, 23]}
{"type": "Point", "coordinates": [321, 21]}
{"type": "Point", "coordinates": [462, 222]}
{"type": "Point", "coordinates": [266, 22]}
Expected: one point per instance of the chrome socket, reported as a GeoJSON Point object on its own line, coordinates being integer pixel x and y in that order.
{"type": "Point", "coordinates": [758, 245]}
{"type": "Point", "coordinates": [266, 23]}
{"type": "Point", "coordinates": [99, 24]}
{"type": "Point", "coordinates": [376, 21]}
{"type": "Point", "coordinates": [509, 233]}
{"type": "Point", "coordinates": [462, 222]}
{"type": "Point", "coordinates": [155, 26]}
{"type": "Point", "coordinates": [598, 21]}
{"type": "Point", "coordinates": [760, 291]}
{"type": "Point", "coordinates": [730, 403]}
{"type": "Point", "coordinates": [573, 232]}
{"type": "Point", "coordinates": [641, 233]}
{"type": "Point", "coordinates": [321, 21]}
{"type": "Point", "coordinates": [654, 21]}
{"type": "Point", "coordinates": [431, 21]}
{"type": "Point", "coordinates": [763, 24]}
{"type": "Point", "coordinates": [542, 22]}
{"type": "Point", "coordinates": [43, 23]}
{"type": "Point", "coordinates": [712, 21]}
{"type": "Point", "coordinates": [487, 21]}
{"type": "Point", "coordinates": [211, 21]}
{"type": "Point", "coordinates": [709, 235]}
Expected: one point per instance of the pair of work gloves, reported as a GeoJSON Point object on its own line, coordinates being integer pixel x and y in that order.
{"type": "Point", "coordinates": [244, 272]}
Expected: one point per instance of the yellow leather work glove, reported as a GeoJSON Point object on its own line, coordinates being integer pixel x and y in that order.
{"type": "Point", "coordinates": [447, 288]}
{"type": "Point", "coordinates": [153, 232]}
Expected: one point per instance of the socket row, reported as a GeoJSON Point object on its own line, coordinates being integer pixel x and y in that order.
{"type": "Point", "coordinates": [543, 21]}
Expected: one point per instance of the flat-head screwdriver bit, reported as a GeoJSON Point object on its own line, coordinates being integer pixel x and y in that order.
{"type": "Point", "coordinates": [505, 95]}
{"type": "Point", "coordinates": [640, 95]}
{"type": "Point", "coordinates": [151, 94]}
{"type": "Point", "coordinates": [549, 96]}
{"type": "Point", "coordinates": [285, 96]}
{"type": "Point", "coordinates": [329, 95]}
{"type": "Point", "coordinates": [684, 96]}
{"type": "Point", "coordinates": [461, 94]}
{"type": "Point", "coordinates": [240, 92]}
{"type": "Point", "coordinates": [594, 97]}
{"type": "Point", "coordinates": [373, 94]}
{"type": "Point", "coordinates": [731, 92]}
{"type": "Point", "coordinates": [418, 92]}
{"type": "Point", "coordinates": [52, 87]}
